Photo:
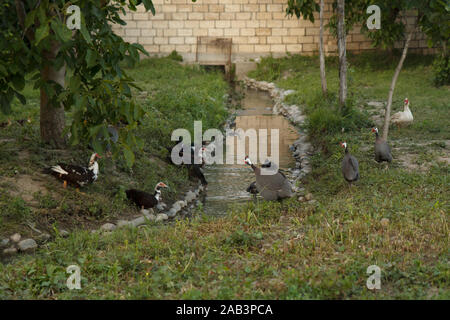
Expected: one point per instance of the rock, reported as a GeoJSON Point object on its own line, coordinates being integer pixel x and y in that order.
{"type": "Point", "coordinates": [27, 245]}
{"type": "Point", "coordinates": [4, 243]}
{"type": "Point", "coordinates": [161, 217]}
{"type": "Point", "coordinates": [161, 206]}
{"type": "Point", "coordinates": [376, 104]}
{"type": "Point", "coordinates": [137, 222]}
{"type": "Point", "coordinates": [10, 251]}
{"type": "Point", "coordinates": [108, 227]}
{"type": "Point", "coordinates": [301, 199]}
{"type": "Point", "coordinates": [151, 217]}
{"type": "Point", "coordinates": [384, 222]}
{"type": "Point", "coordinates": [122, 223]}
{"type": "Point", "coordinates": [15, 237]}
{"type": "Point", "coordinates": [171, 213]}
{"type": "Point", "coordinates": [64, 233]}
{"type": "Point", "coordinates": [176, 206]}
{"type": "Point", "coordinates": [181, 203]}
{"type": "Point", "coordinates": [189, 196]}
{"type": "Point", "coordinates": [309, 197]}
{"type": "Point", "coordinates": [43, 237]}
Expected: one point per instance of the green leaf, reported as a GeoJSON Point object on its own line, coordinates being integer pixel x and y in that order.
{"type": "Point", "coordinates": [41, 33]}
{"type": "Point", "coordinates": [85, 33]}
{"type": "Point", "coordinates": [29, 20]}
{"type": "Point", "coordinates": [129, 155]}
{"type": "Point", "coordinates": [91, 58]}
{"type": "Point", "coordinates": [148, 4]}
{"type": "Point", "coordinates": [62, 32]}
{"type": "Point", "coordinates": [21, 98]}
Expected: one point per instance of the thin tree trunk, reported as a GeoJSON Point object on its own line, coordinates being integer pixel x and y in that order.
{"type": "Point", "coordinates": [321, 53]}
{"type": "Point", "coordinates": [342, 54]}
{"type": "Point", "coordinates": [387, 115]}
{"type": "Point", "coordinates": [52, 116]}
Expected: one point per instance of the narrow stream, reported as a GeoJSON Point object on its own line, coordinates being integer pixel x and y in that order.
{"type": "Point", "coordinates": [227, 183]}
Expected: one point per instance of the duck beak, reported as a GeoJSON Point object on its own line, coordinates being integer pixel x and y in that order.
{"type": "Point", "coordinates": [97, 156]}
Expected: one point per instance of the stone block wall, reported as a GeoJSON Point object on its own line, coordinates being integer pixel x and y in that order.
{"type": "Point", "coordinates": [256, 27]}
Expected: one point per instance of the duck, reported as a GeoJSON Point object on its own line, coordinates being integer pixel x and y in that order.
{"type": "Point", "coordinates": [350, 166]}
{"type": "Point", "coordinates": [145, 200]}
{"type": "Point", "coordinates": [76, 175]}
{"type": "Point", "coordinates": [271, 183]}
{"type": "Point", "coordinates": [404, 117]}
{"type": "Point", "coordinates": [382, 149]}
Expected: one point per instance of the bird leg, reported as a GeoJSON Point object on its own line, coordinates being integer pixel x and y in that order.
{"type": "Point", "coordinates": [78, 190]}
{"type": "Point", "coordinates": [65, 184]}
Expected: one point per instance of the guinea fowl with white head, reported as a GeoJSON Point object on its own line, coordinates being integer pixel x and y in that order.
{"type": "Point", "coordinates": [404, 117]}
{"type": "Point", "coordinates": [382, 149]}
{"type": "Point", "coordinates": [75, 175]}
{"type": "Point", "coordinates": [350, 166]}
{"type": "Point", "coordinates": [145, 200]}
{"type": "Point", "coordinates": [271, 183]}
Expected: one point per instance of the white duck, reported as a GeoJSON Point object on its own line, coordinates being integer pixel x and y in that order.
{"type": "Point", "coordinates": [404, 117]}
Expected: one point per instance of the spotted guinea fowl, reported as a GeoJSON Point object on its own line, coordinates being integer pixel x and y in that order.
{"type": "Point", "coordinates": [145, 200]}
{"type": "Point", "coordinates": [271, 183]}
{"type": "Point", "coordinates": [252, 189]}
{"type": "Point", "coordinates": [77, 176]}
{"type": "Point", "coordinates": [350, 166]}
{"type": "Point", "coordinates": [382, 149]}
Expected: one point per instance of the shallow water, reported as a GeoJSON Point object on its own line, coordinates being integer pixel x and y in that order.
{"type": "Point", "coordinates": [227, 183]}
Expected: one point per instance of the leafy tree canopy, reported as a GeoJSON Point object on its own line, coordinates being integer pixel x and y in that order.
{"type": "Point", "coordinates": [98, 89]}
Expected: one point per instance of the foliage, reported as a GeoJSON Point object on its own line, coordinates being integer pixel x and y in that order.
{"type": "Point", "coordinates": [305, 8]}
{"type": "Point", "coordinates": [98, 89]}
{"type": "Point", "coordinates": [441, 70]}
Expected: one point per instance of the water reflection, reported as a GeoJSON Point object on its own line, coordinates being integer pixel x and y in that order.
{"type": "Point", "coordinates": [227, 183]}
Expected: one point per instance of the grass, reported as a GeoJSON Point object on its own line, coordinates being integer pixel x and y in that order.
{"type": "Point", "coordinates": [291, 250]}
{"type": "Point", "coordinates": [175, 96]}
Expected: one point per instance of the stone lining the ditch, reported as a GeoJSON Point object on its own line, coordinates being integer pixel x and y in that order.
{"type": "Point", "coordinates": [14, 244]}
{"type": "Point", "coordinates": [301, 148]}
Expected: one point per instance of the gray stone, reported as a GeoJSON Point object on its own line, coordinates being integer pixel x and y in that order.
{"type": "Point", "coordinates": [27, 245]}
{"type": "Point", "coordinates": [64, 233]}
{"type": "Point", "coordinates": [4, 243]}
{"type": "Point", "coordinates": [189, 196]}
{"type": "Point", "coordinates": [15, 237]}
{"type": "Point", "coordinates": [309, 197]}
{"type": "Point", "coordinates": [122, 223]}
{"type": "Point", "coordinates": [376, 104]}
{"type": "Point", "coordinates": [161, 206]}
{"type": "Point", "coordinates": [171, 213]}
{"type": "Point", "coordinates": [108, 227]}
{"type": "Point", "coordinates": [10, 251]}
{"type": "Point", "coordinates": [301, 199]}
{"type": "Point", "coordinates": [43, 237]}
{"type": "Point", "coordinates": [137, 222]}
{"type": "Point", "coordinates": [161, 217]}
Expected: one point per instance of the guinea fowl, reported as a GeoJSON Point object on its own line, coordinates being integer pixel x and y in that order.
{"type": "Point", "coordinates": [404, 117]}
{"type": "Point", "coordinates": [271, 185]}
{"type": "Point", "coordinates": [252, 189]}
{"type": "Point", "coordinates": [77, 176]}
{"type": "Point", "coordinates": [350, 166]}
{"type": "Point", "coordinates": [382, 149]}
{"type": "Point", "coordinates": [196, 163]}
{"type": "Point", "coordinates": [145, 200]}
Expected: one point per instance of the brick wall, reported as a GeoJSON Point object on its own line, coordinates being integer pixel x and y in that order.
{"type": "Point", "coordinates": [257, 28]}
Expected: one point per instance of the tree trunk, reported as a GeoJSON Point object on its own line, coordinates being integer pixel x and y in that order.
{"type": "Point", "coordinates": [52, 116]}
{"type": "Point", "coordinates": [321, 53]}
{"type": "Point", "coordinates": [342, 54]}
{"type": "Point", "coordinates": [387, 115]}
